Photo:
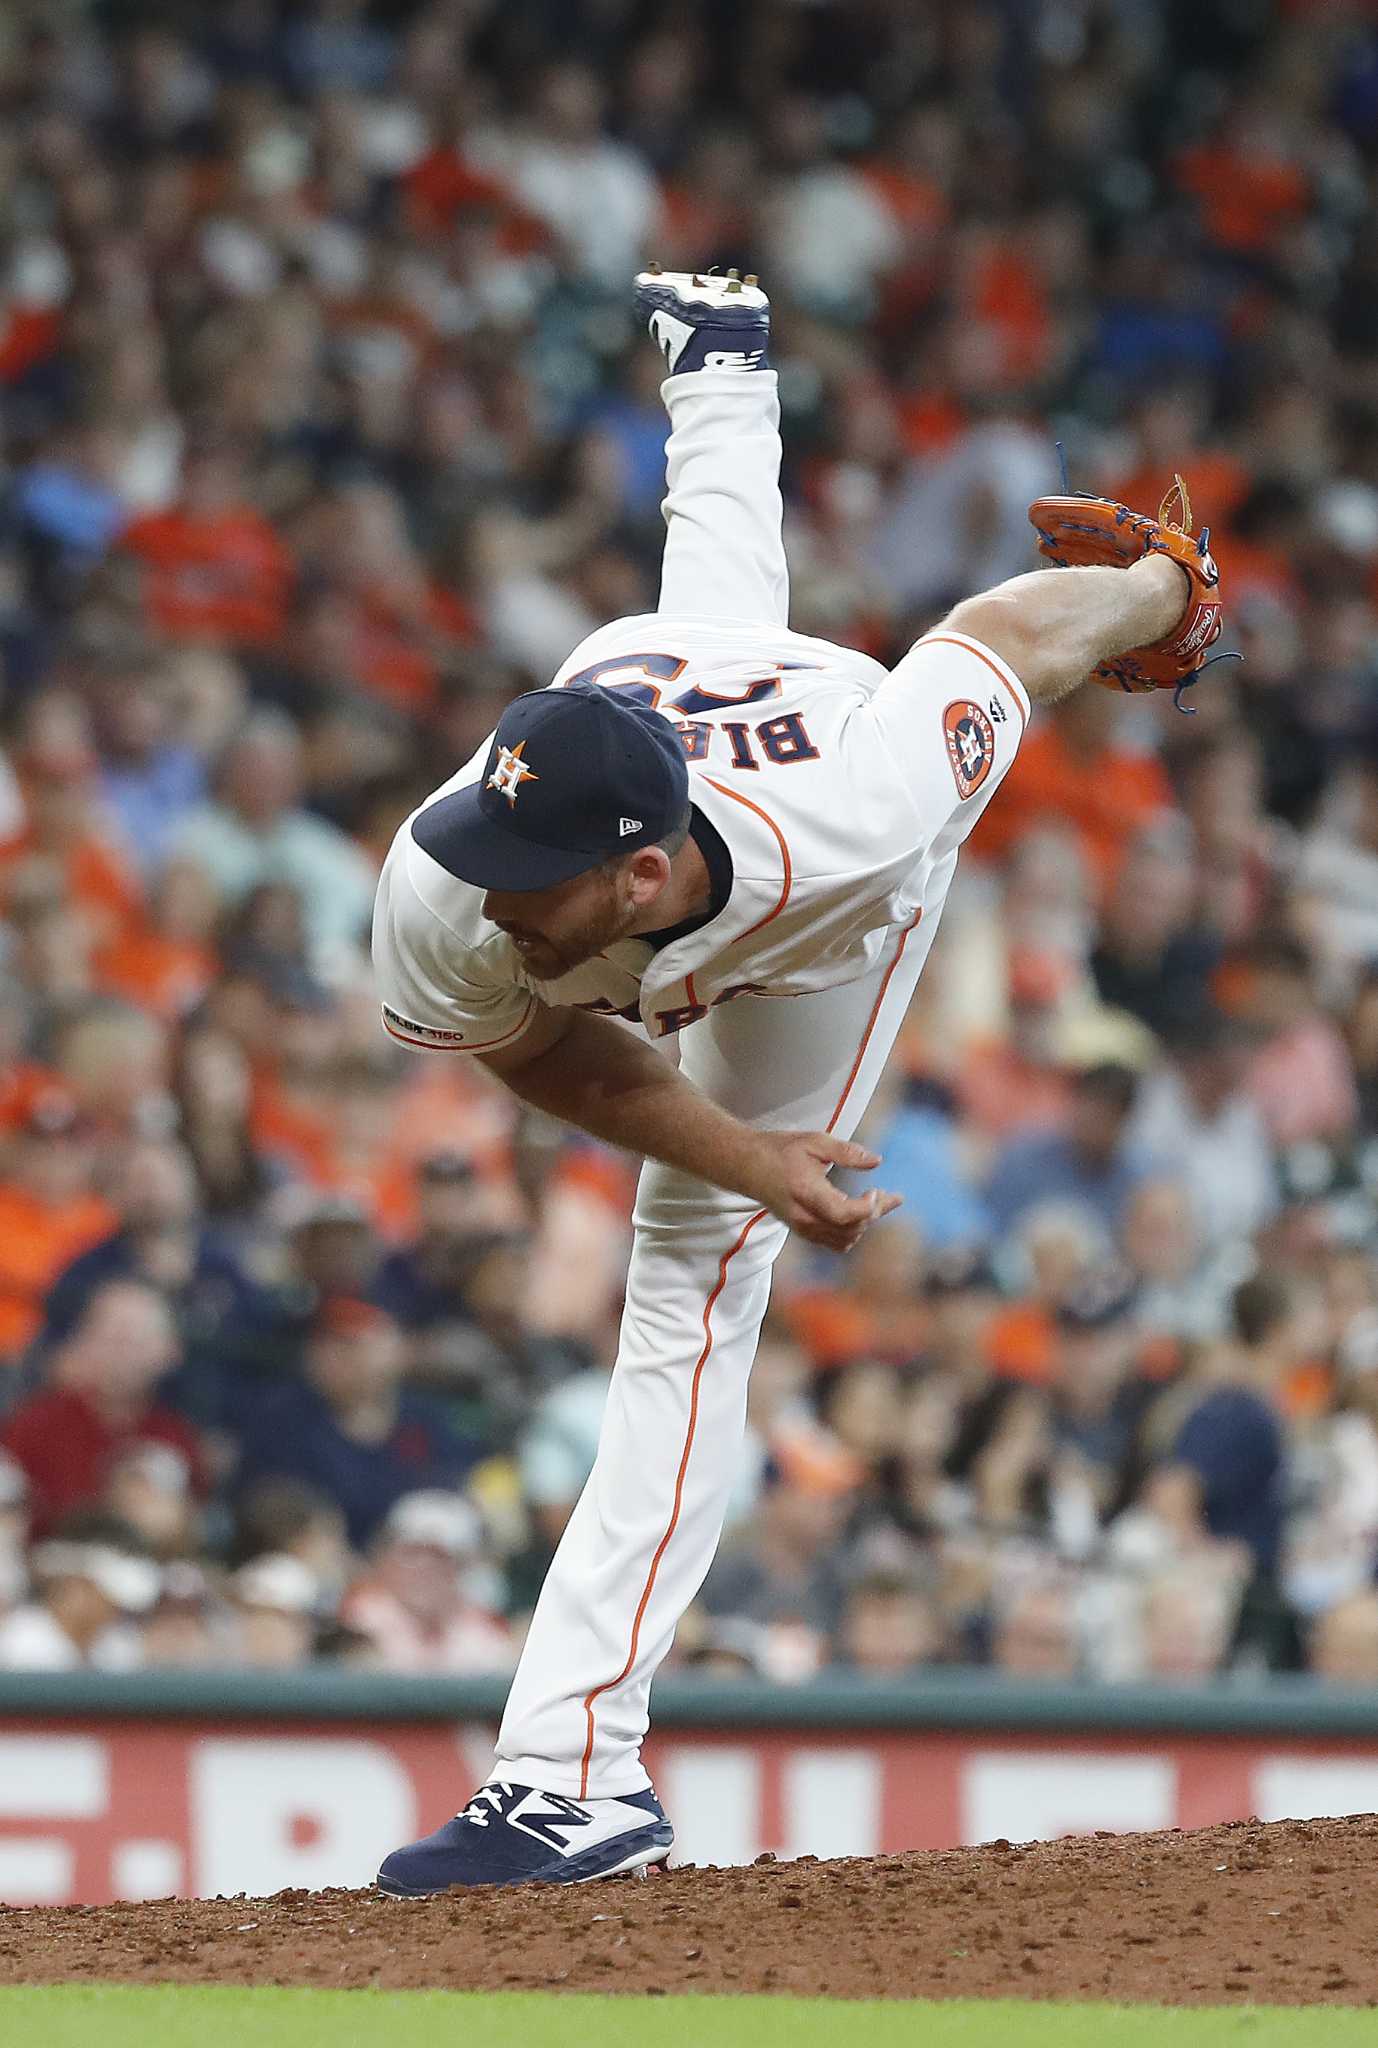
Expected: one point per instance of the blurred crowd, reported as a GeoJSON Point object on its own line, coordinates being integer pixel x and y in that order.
{"type": "Point", "coordinates": [324, 429]}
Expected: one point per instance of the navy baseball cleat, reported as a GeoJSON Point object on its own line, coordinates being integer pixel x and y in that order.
{"type": "Point", "coordinates": [510, 1834]}
{"type": "Point", "coordinates": [705, 323]}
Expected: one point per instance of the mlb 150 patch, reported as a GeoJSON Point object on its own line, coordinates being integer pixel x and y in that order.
{"type": "Point", "coordinates": [422, 1034]}
{"type": "Point", "coordinates": [970, 740]}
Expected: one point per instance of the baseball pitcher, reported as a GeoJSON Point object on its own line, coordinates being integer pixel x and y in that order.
{"type": "Point", "coordinates": [739, 839]}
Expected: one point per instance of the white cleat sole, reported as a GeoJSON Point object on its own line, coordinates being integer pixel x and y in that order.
{"type": "Point", "coordinates": [731, 294]}
{"type": "Point", "coordinates": [640, 1865]}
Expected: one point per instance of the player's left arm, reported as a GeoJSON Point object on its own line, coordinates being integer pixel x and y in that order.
{"type": "Point", "coordinates": [1054, 630]}
{"type": "Point", "coordinates": [592, 1073]}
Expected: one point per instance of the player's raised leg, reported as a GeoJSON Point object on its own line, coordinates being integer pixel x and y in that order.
{"type": "Point", "coordinates": [724, 553]}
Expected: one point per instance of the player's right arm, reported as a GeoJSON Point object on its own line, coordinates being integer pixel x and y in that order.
{"type": "Point", "coordinates": [592, 1073]}
{"type": "Point", "coordinates": [440, 994]}
{"type": "Point", "coordinates": [1053, 630]}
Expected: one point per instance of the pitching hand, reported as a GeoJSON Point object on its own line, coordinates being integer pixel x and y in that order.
{"type": "Point", "coordinates": [792, 1181]}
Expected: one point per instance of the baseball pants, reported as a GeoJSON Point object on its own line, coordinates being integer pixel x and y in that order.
{"type": "Point", "coordinates": [642, 1537]}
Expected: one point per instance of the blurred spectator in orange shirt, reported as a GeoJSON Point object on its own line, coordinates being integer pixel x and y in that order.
{"type": "Point", "coordinates": [67, 828]}
{"type": "Point", "coordinates": [1071, 767]}
{"type": "Point", "coordinates": [443, 185]}
{"type": "Point", "coordinates": [999, 290]}
{"type": "Point", "coordinates": [22, 1079]}
{"type": "Point", "coordinates": [405, 625]}
{"type": "Point", "coordinates": [875, 1309]}
{"type": "Point", "coordinates": [165, 962]}
{"type": "Point", "coordinates": [215, 569]}
{"type": "Point", "coordinates": [1171, 435]}
{"type": "Point", "coordinates": [324, 1108]}
{"type": "Point", "coordinates": [49, 1212]}
{"type": "Point", "coordinates": [1247, 183]}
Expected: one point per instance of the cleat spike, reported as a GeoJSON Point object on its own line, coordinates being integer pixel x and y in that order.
{"type": "Point", "coordinates": [734, 284]}
{"type": "Point", "coordinates": [751, 278]}
{"type": "Point", "coordinates": [653, 267]}
{"type": "Point", "coordinates": [737, 274]}
{"type": "Point", "coordinates": [697, 278]}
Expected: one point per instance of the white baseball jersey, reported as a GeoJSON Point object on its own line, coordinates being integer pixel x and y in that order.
{"type": "Point", "coordinates": [841, 815]}
{"type": "Point", "coordinates": [831, 798]}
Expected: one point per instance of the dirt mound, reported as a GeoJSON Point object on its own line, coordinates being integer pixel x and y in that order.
{"type": "Point", "coordinates": [1280, 1914]}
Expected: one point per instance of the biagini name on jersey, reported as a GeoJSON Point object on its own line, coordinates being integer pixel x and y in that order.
{"type": "Point", "coordinates": [782, 741]}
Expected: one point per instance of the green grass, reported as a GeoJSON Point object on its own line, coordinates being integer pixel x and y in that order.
{"type": "Point", "coordinates": [122, 2016]}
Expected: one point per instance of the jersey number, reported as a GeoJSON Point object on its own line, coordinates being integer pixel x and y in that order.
{"type": "Point", "coordinates": [782, 740]}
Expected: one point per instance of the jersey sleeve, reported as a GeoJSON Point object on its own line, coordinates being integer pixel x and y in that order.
{"type": "Point", "coordinates": [431, 985]}
{"type": "Point", "coordinates": [949, 718]}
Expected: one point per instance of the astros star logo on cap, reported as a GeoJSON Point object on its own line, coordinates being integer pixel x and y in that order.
{"type": "Point", "coordinates": [511, 771]}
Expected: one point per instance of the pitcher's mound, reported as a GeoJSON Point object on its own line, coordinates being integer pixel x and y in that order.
{"type": "Point", "coordinates": [1269, 1915]}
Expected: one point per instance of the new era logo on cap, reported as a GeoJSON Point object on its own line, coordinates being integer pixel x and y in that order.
{"type": "Point", "coordinates": [627, 825]}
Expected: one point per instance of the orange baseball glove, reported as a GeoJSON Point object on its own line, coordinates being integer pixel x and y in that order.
{"type": "Point", "coordinates": [1078, 529]}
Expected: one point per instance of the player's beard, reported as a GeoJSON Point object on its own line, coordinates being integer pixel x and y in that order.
{"type": "Point", "coordinates": [608, 919]}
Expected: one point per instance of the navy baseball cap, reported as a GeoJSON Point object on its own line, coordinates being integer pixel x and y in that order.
{"type": "Point", "coordinates": [573, 777]}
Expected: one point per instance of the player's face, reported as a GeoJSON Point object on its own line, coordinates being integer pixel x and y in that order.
{"type": "Point", "coordinates": [556, 930]}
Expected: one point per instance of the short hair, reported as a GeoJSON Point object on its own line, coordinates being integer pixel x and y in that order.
{"type": "Point", "coordinates": [1109, 1082]}
{"type": "Point", "coordinates": [1279, 953]}
{"type": "Point", "coordinates": [1259, 1306]}
{"type": "Point", "coordinates": [677, 838]}
{"type": "Point", "coordinates": [888, 1582]}
{"type": "Point", "coordinates": [275, 1513]}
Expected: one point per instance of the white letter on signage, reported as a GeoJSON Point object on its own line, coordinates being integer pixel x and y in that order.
{"type": "Point", "coordinates": [1034, 1797]}
{"type": "Point", "coordinates": [271, 1813]}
